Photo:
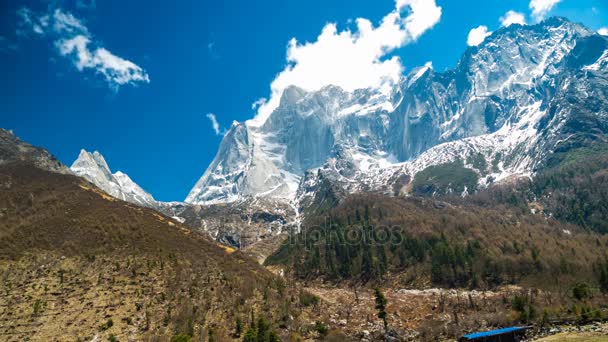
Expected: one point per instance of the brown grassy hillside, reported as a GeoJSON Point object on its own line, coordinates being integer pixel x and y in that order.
{"type": "Point", "coordinates": [76, 264]}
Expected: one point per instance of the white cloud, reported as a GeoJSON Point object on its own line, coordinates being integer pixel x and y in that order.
{"type": "Point", "coordinates": [74, 41]}
{"type": "Point", "coordinates": [30, 22]}
{"type": "Point", "coordinates": [66, 23]}
{"type": "Point", "coordinates": [540, 8]}
{"type": "Point", "coordinates": [259, 102]}
{"type": "Point", "coordinates": [511, 18]}
{"type": "Point", "coordinates": [603, 31]}
{"type": "Point", "coordinates": [352, 59]}
{"type": "Point", "coordinates": [424, 14]}
{"type": "Point", "coordinates": [214, 123]}
{"type": "Point", "coordinates": [478, 35]}
{"type": "Point", "coordinates": [116, 70]}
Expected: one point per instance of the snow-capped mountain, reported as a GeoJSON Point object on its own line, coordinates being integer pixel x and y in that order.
{"type": "Point", "coordinates": [523, 93]}
{"type": "Point", "coordinates": [239, 225]}
{"type": "Point", "coordinates": [93, 167]}
{"type": "Point", "coordinates": [507, 105]}
{"type": "Point", "coordinates": [302, 133]}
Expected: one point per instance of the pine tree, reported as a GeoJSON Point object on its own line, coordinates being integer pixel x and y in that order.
{"type": "Point", "coordinates": [238, 329]}
{"type": "Point", "coordinates": [250, 336]}
{"type": "Point", "coordinates": [383, 260]}
{"type": "Point", "coordinates": [263, 330]}
{"type": "Point", "coordinates": [604, 279]}
{"type": "Point", "coordinates": [367, 266]}
{"type": "Point", "coordinates": [381, 306]}
{"type": "Point", "coordinates": [252, 322]}
{"type": "Point", "coordinates": [602, 270]}
{"type": "Point", "coordinates": [211, 337]}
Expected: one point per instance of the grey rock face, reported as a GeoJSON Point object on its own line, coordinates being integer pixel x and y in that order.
{"type": "Point", "coordinates": [305, 131]}
{"type": "Point", "coordinates": [13, 149]}
{"type": "Point", "coordinates": [238, 224]}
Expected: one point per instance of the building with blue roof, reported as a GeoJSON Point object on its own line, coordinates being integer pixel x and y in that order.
{"type": "Point", "coordinates": [511, 334]}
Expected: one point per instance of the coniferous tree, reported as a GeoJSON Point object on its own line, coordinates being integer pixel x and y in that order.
{"type": "Point", "coordinates": [602, 275]}
{"type": "Point", "coordinates": [381, 306]}
{"type": "Point", "coordinates": [250, 336]}
{"type": "Point", "coordinates": [604, 279]}
{"type": "Point", "coordinates": [263, 330]}
{"type": "Point", "coordinates": [238, 329]}
{"type": "Point", "coordinates": [252, 322]}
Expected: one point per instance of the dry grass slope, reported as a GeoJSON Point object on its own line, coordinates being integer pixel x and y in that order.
{"type": "Point", "coordinates": [76, 264]}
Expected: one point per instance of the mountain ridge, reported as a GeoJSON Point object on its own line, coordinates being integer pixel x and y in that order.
{"type": "Point", "coordinates": [525, 92]}
{"type": "Point", "coordinates": [496, 101]}
{"type": "Point", "coordinates": [13, 149]}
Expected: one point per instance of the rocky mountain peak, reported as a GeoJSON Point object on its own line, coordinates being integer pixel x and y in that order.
{"type": "Point", "coordinates": [94, 168]}
{"type": "Point", "coordinates": [292, 95]}
{"type": "Point", "coordinates": [13, 149]}
{"type": "Point", "coordinates": [88, 162]}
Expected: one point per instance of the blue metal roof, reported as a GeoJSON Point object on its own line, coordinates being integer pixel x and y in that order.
{"type": "Point", "coordinates": [494, 332]}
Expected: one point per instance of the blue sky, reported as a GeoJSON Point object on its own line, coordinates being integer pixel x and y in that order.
{"type": "Point", "coordinates": [152, 71]}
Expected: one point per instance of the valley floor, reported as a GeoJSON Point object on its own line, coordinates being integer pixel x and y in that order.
{"type": "Point", "coordinates": [590, 333]}
{"type": "Point", "coordinates": [415, 314]}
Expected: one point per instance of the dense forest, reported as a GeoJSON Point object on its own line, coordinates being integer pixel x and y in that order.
{"type": "Point", "coordinates": [425, 241]}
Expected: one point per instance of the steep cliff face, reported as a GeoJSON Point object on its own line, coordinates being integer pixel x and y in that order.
{"type": "Point", "coordinates": [303, 133]}
{"type": "Point", "coordinates": [506, 105]}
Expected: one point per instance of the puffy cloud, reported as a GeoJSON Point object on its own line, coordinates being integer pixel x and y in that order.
{"type": "Point", "coordinates": [603, 31]}
{"type": "Point", "coordinates": [478, 35]}
{"type": "Point", "coordinates": [511, 18]}
{"type": "Point", "coordinates": [352, 59]}
{"type": "Point", "coordinates": [540, 8]}
{"type": "Point", "coordinates": [74, 41]}
{"type": "Point", "coordinates": [116, 70]}
{"type": "Point", "coordinates": [424, 15]}
{"type": "Point", "coordinates": [214, 124]}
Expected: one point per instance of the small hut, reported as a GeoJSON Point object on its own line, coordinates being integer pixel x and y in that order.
{"type": "Point", "coordinates": [512, 334]}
